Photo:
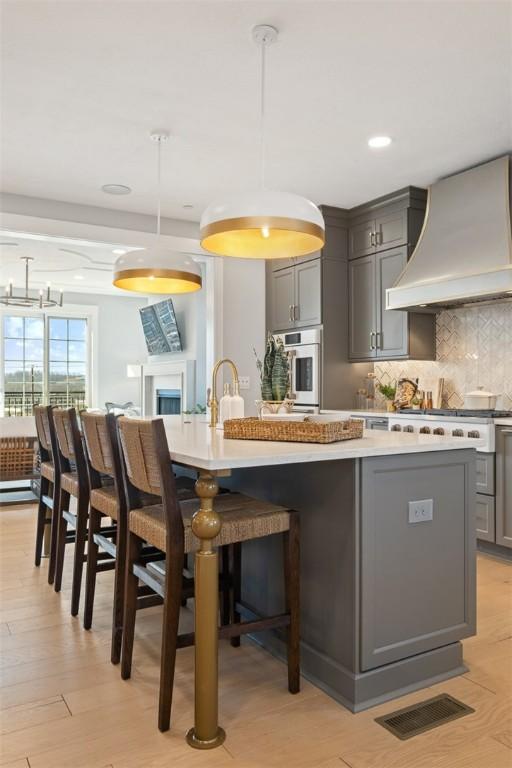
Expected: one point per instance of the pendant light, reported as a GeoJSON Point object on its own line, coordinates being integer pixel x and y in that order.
{"type": "Point", "coordinates": [262, 224]}
{"type": "Point", "coordinates": [157, 270]}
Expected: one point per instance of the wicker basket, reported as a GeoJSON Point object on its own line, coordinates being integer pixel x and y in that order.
{"type": "Point", "coordinates": [17, 458]}
{"type": "Point", "coordinates": [293, 431]}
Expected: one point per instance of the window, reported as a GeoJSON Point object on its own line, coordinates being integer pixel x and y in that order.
{"type": "Point", "coordinates": [67, 361]}
{"type": "Point", "coordinates": [45, 360]}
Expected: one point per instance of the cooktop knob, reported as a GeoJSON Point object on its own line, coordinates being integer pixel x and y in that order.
{"type": "Point", "coordinates": [425, 431]}
{"type": "Point", "coordinates": [457, 433]}
{"type": "Point", "coordinates": [473, 433]}
{"type": "Point", "coordinates": [439, 431]}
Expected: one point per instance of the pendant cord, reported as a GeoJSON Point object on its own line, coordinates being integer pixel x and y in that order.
{"type": "Point", "coordinates": [262, 115]}
{"type": "Point", "coordinates": [159, 187]}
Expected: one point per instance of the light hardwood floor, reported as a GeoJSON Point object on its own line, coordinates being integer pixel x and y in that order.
{"type": "Point", "coordinates": [63, 705]}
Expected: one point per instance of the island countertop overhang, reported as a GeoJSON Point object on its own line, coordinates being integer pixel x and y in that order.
{"type": "Point", "coordinates": [193, 442]}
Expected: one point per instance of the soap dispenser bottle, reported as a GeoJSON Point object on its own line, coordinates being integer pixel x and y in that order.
{"type": "Point", "coordinates": [225, 406]}
{"type": "Point", "coordinates": [237, 403]}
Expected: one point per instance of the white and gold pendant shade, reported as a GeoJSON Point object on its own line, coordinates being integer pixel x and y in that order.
{"type": "Point", "coordinates": [157, 270]}
{"type": "Point", "coordinates": [263, 224]}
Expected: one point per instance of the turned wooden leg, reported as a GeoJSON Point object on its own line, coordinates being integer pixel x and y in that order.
{"type": "Point", "coordinates": [206, 524]}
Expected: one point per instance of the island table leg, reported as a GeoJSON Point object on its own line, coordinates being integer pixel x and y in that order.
{"type": "Point", "coordinates": [206, 524]}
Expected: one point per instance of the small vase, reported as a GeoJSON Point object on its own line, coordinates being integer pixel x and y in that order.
{"type": "Point", "coordinates": [390, 406]}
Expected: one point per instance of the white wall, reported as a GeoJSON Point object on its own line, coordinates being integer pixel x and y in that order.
{"type": "Point", "coordinates": [243, 321]}
{"type": "Point", "coordinates": [119, 341]}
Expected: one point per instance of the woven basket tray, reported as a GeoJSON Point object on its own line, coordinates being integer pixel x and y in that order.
{"type": "Point", "coordinates": [293, 431]}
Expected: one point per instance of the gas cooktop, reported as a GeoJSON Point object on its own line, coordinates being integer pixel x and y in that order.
{"type": "Point", "coordinates": [450, 412]}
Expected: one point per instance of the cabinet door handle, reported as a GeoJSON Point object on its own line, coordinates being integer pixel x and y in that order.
{"type": "Point", "coordinates": [296, 313]}
{"type": "Point", "coordinates": [290, 313]}
{"type": "Point", "coordinates": [372, 238]}
{"type": "Point", "coordinates": [372, 334]}
{"type": "Point", "coordinates": [378, 238]}
{"type": "Point", "coordinates": [378, 337]}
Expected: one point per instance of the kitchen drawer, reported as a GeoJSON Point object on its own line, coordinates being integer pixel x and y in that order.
{"type": "Point", "coordinates": [485, 517]}
{"type": "Point", "coordinates": [485, 473]}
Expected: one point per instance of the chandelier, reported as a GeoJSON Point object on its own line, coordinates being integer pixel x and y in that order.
{"type": "Point", "coordinates": [43, 299]}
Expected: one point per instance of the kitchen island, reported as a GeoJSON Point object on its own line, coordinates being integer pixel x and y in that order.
{"type": "Point", "coordinates": [387, 588]}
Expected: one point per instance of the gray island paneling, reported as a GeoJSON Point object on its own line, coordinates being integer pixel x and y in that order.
{"type": "Point", "coordinates": [385, 602]}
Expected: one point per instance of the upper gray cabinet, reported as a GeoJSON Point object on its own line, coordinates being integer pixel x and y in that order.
{"type": "Point", "coordinates": [387, 222]}
{"type": "Point", "coordinates": [308, 293]}
{"type": "Point", "coordinates": [362, 308]}
{"type": "Point", "coordinates": [374, 331]}
{"type": "Point", "coordinates": [282, 299]}
{"type": "Point", "coordinates": [296, 296]}
{"type": "Point", "coordinates": [382, 235]}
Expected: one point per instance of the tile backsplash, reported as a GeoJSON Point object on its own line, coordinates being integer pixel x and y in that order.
{"type": "Point", "coordinates": [474, 348]}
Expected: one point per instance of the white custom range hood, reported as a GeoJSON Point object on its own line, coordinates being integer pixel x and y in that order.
{"type": "Point", "coordinates": [464, 253]}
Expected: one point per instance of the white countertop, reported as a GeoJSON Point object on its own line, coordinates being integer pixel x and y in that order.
{"type": "Point", "coordinates": [504, 422]}
{"type": "Point", "coordinates": [193, 442]}
{"type": "Point", "coordinates": [17, 426]}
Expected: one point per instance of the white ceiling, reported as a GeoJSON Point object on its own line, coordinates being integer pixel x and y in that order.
{"type": "Point", "coordinates": [73, 265]}
{"type": "Point", "coordinates": [84, 83]}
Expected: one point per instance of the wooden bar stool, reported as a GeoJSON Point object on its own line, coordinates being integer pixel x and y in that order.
{"type": "Point", "coordinates": [50, 484]}
{"type": "Point", "coordinates": [106, 546]}
{"type": "Point", "coordinates": [73, 482]}
{"type": "Point", "coordinates": [107, 500]}
{"type": "Point", "coordinates": [167, 526]}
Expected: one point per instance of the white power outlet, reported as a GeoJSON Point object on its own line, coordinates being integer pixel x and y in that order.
{"type": "Point", "coordinates": [245, 382]}
{"type": "Point", "coordinates": [421, 511]}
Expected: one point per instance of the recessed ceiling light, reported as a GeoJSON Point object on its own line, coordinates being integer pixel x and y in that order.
{"type": "Point", "coordinates": [119, 252]}
{"type": "Point", "coordinates": [78, 277]}
{"type": "Point", "coordinates": [378, 142]}
{"type": "Point", "coordinates": [116, 189]}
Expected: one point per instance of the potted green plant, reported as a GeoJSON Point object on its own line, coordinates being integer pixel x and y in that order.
{"type": "Point", "coordinates": [388, 392]}
{"type": "Point", "coordinates": [274, 378]}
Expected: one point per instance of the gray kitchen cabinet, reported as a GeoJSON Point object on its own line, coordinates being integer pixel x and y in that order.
{"type": "Point", "coordinates": [392, 326]}
{"type": "Point", "coordinates": [375, 332]}
{"type": "Point", "coordinates": [403, 616]}
{"type": "Point", "coordinates": [504, 486]}
{"type": "Point", "coordinates": [361, 239]}
{"type": "Point", "coordinates": [362, 308]}
{"type": "Point", "coordinates": [308, 293]}
{"type": "Point", "coordinates": [296, 296]}
{"type": "Point", "coordinates": [485, 473]}
{"type": "Point", "coordinates": [391, 229]}
{"type": "Point", "coordinates": [283, 299]}
{"type": "Point", "coordinates": [277, 264]}
{"type": "Point", "coordinates": [387, 222]}
{"type": "Point", "coordinates": [485, 517]}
